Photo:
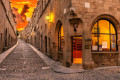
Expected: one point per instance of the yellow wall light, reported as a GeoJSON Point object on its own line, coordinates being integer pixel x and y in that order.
{"type": "Point", "coordinates": [50, 17]}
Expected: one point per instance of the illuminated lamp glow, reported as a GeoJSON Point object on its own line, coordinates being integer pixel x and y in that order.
{"type": "Point", "coordinates": [50, 17]}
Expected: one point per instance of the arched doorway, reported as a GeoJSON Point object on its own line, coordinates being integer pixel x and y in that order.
{"type": "Point", "coordinates": [6, 37]}
{"type": "Point", "coordinates": [41, 42]}
{"type": "Point", "coordinates": [45, 44]}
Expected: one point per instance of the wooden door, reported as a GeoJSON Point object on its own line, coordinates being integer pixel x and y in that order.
{"type": "Point", "coordinates": [77, 50]}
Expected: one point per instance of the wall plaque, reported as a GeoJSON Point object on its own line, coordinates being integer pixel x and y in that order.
{"type": "Point", "coordinates": [87, 40]}
{"type": "Point", "coordinates": [87, 46]}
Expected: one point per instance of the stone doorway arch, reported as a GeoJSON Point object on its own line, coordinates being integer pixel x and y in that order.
{"type": "Point", "coordinates": [6, 32]}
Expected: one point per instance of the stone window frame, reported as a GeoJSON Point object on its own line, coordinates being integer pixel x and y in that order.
{"type": "Point", "coordinates": [105, 34]}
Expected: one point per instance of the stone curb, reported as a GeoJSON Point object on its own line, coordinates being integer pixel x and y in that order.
{"type": "Point", "coordinates": [6, 53]}
{"type": "Point", "coordinates": [103, 68]}
{"type": "Point", "coordinates": [56, 66]}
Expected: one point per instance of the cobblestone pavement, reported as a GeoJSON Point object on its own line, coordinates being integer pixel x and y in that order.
{"type": "Point", "coordinates": [24, 64]}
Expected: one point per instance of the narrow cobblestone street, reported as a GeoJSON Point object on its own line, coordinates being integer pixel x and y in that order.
{"type": "Point", "coordinates": [24, 64]}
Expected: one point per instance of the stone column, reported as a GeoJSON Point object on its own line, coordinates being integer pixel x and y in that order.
{"type": "Point", "coordinates": [88, 63]}
{"type": "Point", "coordinates": [118, 43]}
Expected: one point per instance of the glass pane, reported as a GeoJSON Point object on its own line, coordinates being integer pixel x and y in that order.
{"type": "Point", "coordinates": [62, 32]}
{"type": "Point", "coordinates": [94, 30]}
{"type": "Point", "coordinates": [62, 43]}
{"type": "Point", "coordinates": [104, 42]}
{"type": "Point", "coordinates": [103, 26]}
{"type": "Point", "coordinates": [59, 44]}
{"type": "Point", "coordinates": [61, 39]}
{"type": "Point", "coordinates": [94, 42]}
{"type": "Point", "coordinates": [112, 29]}
{"type": "Point", "coordinates": [113, 42]}
{"type": "Point", "coordinates": [59, 35]}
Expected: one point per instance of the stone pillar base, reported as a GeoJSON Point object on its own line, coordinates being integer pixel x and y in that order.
{"type": "Point", "coordinates": [66, 63]}
{"type": "Point", "coordinates": [89, 65]}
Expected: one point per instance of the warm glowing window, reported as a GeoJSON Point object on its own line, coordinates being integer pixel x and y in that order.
{"type": "Point", "coordinates": [104, 36]}
{"type": "Point", "coordinates": [60, 39]}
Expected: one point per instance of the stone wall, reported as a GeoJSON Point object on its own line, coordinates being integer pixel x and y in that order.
{"type": "Point", "coordinates": [7, 26]}
{"type": "Point", "coordinates": [89, 11]}
{"type": "Point", "coordinates": [69, 12]}
{"type": "Point", "coordinates": [103, 59]}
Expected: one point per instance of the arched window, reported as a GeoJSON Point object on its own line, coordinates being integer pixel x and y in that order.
{"type": "Point", "coordinates": [104, 36]}
{"type": "Point", "coordinates": [60, 38]}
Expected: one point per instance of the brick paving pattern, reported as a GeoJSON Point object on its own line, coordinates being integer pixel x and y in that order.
{"type": "Point", "coordinates": [24, 64]}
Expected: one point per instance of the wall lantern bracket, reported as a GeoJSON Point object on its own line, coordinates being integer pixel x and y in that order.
{"type": "Point", "coordinates": [74, 22]}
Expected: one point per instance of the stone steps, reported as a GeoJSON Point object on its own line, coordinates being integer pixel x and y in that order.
{"type": "Point", "coordinates": [76, 66]}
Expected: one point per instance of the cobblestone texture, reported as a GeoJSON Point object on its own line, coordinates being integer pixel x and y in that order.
{"type": "Point", "coordinates": [24, 64]}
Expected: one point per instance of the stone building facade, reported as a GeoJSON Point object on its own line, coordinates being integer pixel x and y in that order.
{"type": "Point", "coordinates": [85, 32]}
{"type": "Point", "coordinates": [8, 36]}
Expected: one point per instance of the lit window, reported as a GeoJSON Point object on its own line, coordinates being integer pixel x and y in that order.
{"type": "Point", "coordinates": [104, 36]}
{"type": "Point", "coordinates": [60, 39]}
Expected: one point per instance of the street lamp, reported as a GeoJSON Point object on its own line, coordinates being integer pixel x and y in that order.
{"type": "Point", "coordinates": [75, 26]}
{"type": "Point", "coordinates": [75, 23]}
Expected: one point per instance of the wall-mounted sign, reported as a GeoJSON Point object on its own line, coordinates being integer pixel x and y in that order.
{"type": "Point", "coordinates": [87, 46]}
{"type": "Point", "coordinates": [87, 40]}
{"type": "Point", "coordinates": [104, 44]}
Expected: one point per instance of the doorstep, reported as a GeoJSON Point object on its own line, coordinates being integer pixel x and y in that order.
{"type": "Point", "coordinates": [76, 66]}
